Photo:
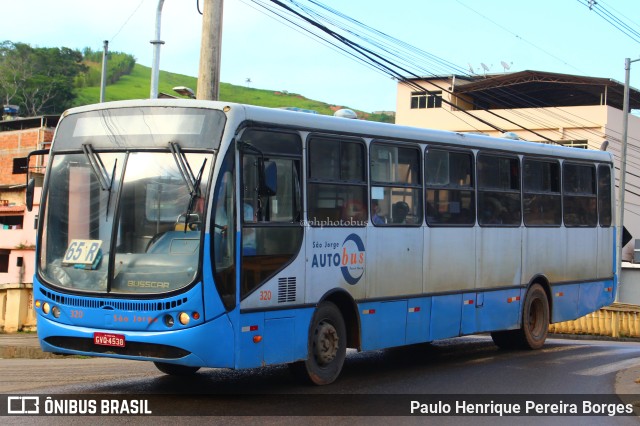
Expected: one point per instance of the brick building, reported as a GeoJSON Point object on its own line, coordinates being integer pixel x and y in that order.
{"type": "Point", "coordinates": [18, 137]}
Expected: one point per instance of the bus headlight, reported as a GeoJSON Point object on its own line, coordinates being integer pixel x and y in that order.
{"type": "Point", "coordinates": [56, 311]}
{"type": "Point", "coordinates": [46, 308]}
{"type": "Point", "coordinates": [184, 318]}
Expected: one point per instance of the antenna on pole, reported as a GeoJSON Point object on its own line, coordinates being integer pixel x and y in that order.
{"type": "Point", "coordinates": [155, 69]}
{"type": "Point", "coordinates": [103, 79]}
{"type": "Point", "coordinates": [506, 66]}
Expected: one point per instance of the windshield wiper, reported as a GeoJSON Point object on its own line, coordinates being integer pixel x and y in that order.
{"type": "Point", "coordinates": [98, 167]}
{"type": "Point", "coordinates": [100, 171]}
{"type": "Point", "coordinates": [183, 166]}
{"type": "Point", "coordinates": [192, 182]}
{"type": "Point", "coordinates": [194, 195]}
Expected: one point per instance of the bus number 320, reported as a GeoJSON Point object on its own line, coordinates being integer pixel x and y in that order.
{"type": "Point", "coordinates": [265, 295]}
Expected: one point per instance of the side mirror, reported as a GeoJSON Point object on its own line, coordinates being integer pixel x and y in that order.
{"type": "Point", "coordinates": [31, 185]}
{"type": "Point", "coordinates": [268, 178]}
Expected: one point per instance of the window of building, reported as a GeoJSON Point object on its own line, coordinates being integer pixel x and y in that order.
{"type": "Point", "coordinates": [396, 189]}
{"type": "Point", "coordinates": [4, 260]}
{"type": "Point", "coordinates": [604, 195]}
{"type": "Point", "coordinates": [449, 187]}
{"type": "Point", "coordinates": [582, 144]}
{"type": "Point", "coordinates": [422, 100]}
{"type": "Point", "coordinates": [11, 222]}
{"type": "Point", "coordinates": [579, 185]}
{"type": "Point", "coordinates": [337, 194]}
{"type": "Point", "coordinates": [498, 190]}
{"type": "Point", "coordinates": [20, 166]}
{"type": "Point", "coordinates": [542, 198]}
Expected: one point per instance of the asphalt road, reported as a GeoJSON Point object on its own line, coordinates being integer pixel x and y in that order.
{"type": "Point", "coordinates": [372, 387]}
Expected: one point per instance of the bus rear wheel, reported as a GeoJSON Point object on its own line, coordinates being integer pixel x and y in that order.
{"type": "Point", "coordinates": [535, 318]}
{"type": "Point", "coordinates": [175, 369]}
{"type": "Point", "coordinates": [326, 348]}
{"type": "Point", "coordinates": [535, 323]}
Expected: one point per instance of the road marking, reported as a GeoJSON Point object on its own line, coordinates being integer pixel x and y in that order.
{"type": "Point", "coordinates": [589, 355]}
{"type": "Point", "coordinates": [609, 368]}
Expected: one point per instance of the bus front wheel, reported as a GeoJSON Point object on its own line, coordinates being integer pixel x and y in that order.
{"type": "Point", "coordinates": [326, 348]}
{"type": "Point", "coordinates": [176, 369]}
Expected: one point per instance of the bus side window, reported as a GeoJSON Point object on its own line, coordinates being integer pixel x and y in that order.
{"type": "Point", "coordinates": [542, 200]}
{"type": "Point", "coordinates": [449, 187]}
{"type": "Point", "coordinates": [580, 203]}
{"type": "Point", "coordinates": [337, 185]}
{"type": "Point", "coordinates": [498, 190]}
{"type": "Point", "coordinates": [604, 195]}
{"type": "Point", "coordinates": [396, 192]}
{"type": "Point", "coordinates": [223, 230]}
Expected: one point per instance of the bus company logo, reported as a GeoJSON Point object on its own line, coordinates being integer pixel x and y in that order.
{"type": "Point", "coordinates": [349, 257]}
{"type": "Point", "coordinates": [23, 405]}
{"type": "Point", "coordinates": [352, 259]}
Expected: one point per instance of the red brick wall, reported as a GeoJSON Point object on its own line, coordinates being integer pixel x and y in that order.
{"type": "Point", "coordinates": [19, 143]}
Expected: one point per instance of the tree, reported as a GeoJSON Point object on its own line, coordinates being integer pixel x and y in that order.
{"type": "Point", "coordinates": [39, 80]}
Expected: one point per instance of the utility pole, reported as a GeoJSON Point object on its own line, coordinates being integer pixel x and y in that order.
{"type": "Point", "coordinates": [623, 170]}
{"type": "Point", "coordinates": [103, 80]}
{"type": "Point", "coordinates": [210, 51]}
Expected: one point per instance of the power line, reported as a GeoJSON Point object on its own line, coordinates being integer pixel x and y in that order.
{"type": "Point", "coordinates": [519, 37]}
{"type": "Point", "coordinates": [127, 20]}
{"type": "Point", "coordinates": [612, 19]}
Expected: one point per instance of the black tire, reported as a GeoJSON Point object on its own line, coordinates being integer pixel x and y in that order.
{"type": "Point", "coordinates": [535, 318]}
{"type": "Point", "coordinates": [326, 347]}
{"type": "Point", "coordinates": [176, 369]}
{"type": "Point", "coordinates": [507, 339]}
{"type": "Point", "coordinates": [535, 323]}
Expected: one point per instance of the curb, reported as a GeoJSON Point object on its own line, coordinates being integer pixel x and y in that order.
{"type": "Point", "coordinates": [8, 352]}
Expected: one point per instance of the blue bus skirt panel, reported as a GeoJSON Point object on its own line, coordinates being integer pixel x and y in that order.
{"type": "Point", "coordinates": [571, 301]}
{"type": "Point", "coordinates": [272, 337]}
{"type": "Point", "coordinates": [206, 345]}
{"type": "Point", "coordinates": [491, 310]}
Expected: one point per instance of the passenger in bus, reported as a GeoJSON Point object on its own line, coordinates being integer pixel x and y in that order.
{"type": "Point", "coordinates": [354, 211]}
{"type": "Point", "coordinates": [399, 212]}
{"type": "Point", "coordinates": [376, 219]}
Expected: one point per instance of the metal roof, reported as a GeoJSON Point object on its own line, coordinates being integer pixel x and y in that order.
{"type": "Point", "coordinates": [21, 123]}
{"type": "Point", "coordinates": [534, 89]}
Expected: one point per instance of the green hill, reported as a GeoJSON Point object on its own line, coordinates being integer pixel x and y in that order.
{"type": "Point", "coordinates": [136, 86]}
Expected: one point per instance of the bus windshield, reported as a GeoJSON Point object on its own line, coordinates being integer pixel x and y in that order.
{"type": "Point", "coordinates": [127, 221]}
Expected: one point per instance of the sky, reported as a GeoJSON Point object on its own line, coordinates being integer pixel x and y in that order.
{"type": "Point", "coordinates": [561, 36]}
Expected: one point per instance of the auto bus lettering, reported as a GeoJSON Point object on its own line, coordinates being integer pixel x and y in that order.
{"type": "Point", "coordinates": [350, 258]}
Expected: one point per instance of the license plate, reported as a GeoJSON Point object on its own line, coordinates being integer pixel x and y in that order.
{"type": "Point", "coordinates": [108, 339]}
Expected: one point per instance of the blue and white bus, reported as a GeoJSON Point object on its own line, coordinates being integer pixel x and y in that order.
{"type": "Point", "coordinates": [207, 234]}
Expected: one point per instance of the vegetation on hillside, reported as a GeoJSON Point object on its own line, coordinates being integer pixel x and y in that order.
{"type": "Point", "coordinates": [118, 65]}
{"type": "Point", "coordinates": [50, 80]}
{"type": "Point", "coordinates": [137, 86]}
{"type": "Point", "coordinates": [38, 80]}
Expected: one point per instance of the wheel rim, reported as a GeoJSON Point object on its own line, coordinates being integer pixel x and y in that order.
{"type": "Point", "coordinates": [325, 344]}
{"type": "Point", "coordinates": [535, 318]}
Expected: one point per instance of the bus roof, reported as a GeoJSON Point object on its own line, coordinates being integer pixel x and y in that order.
{"type": "Point", "coordinates": [239, 113]}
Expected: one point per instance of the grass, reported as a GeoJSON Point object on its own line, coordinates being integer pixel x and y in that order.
{"type": "Point", "coordinates": [137, 86]}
